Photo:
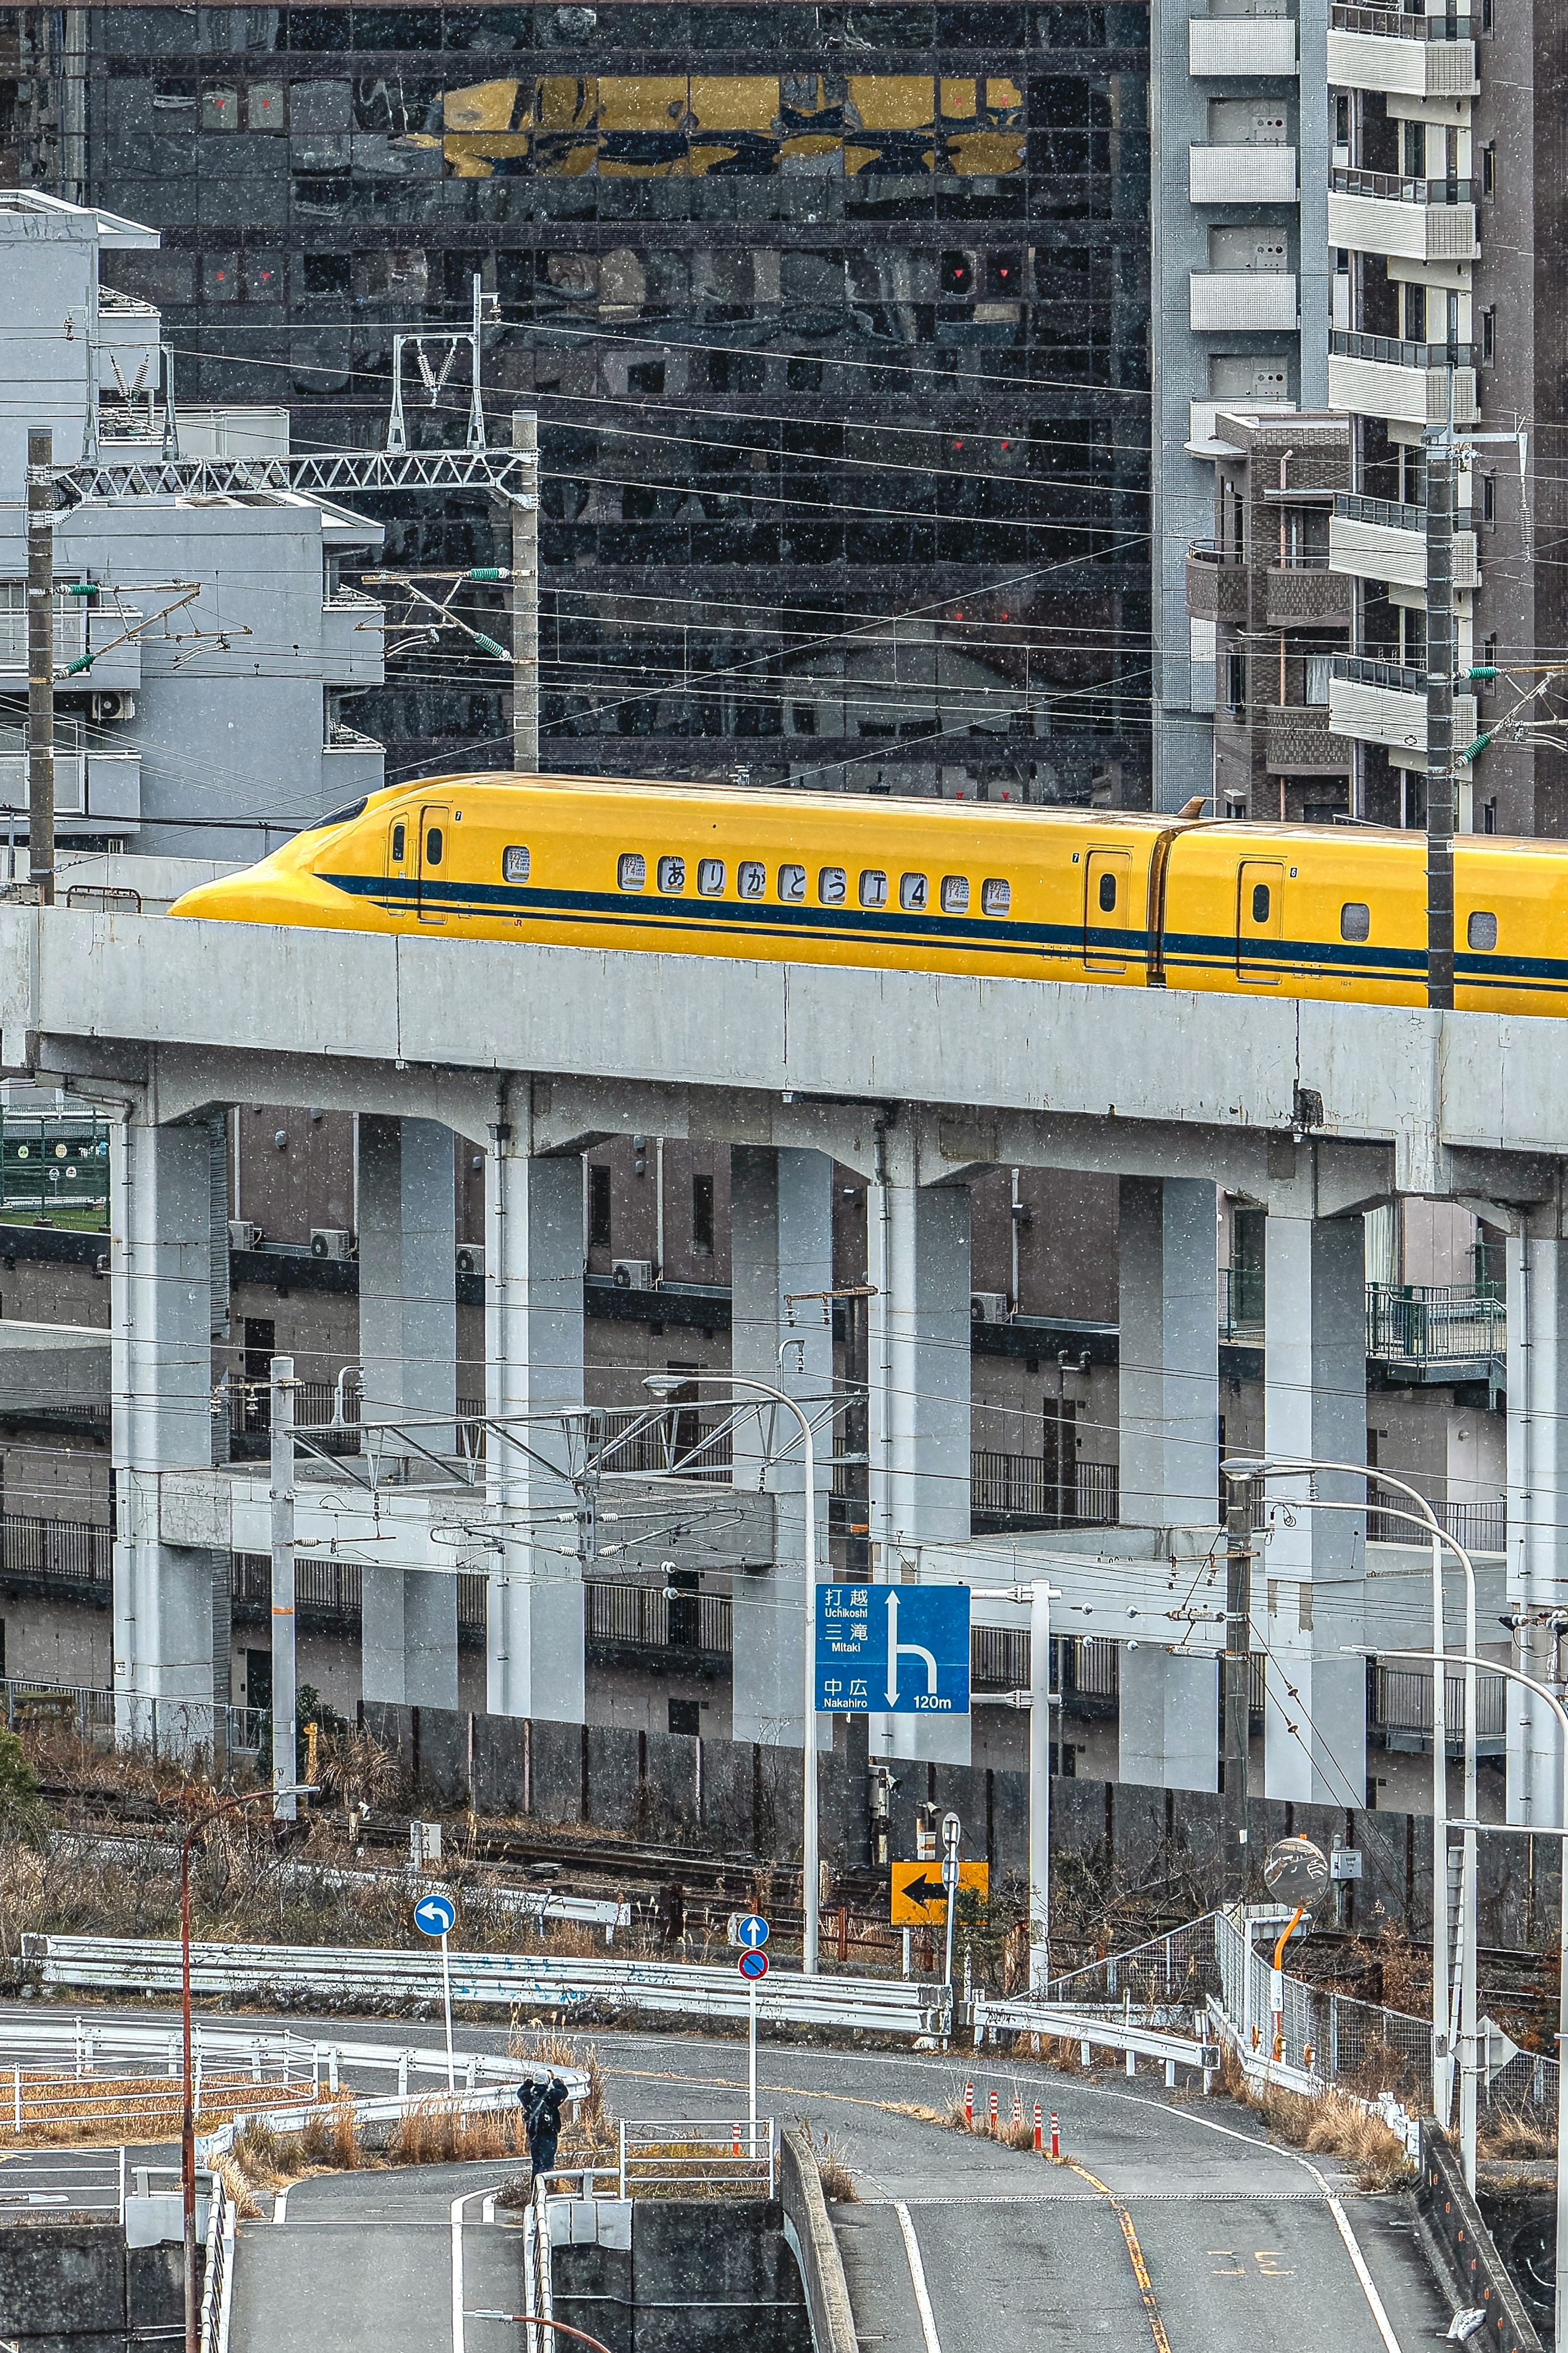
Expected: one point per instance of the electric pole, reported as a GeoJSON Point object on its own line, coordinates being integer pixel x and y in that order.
{"type": "Point", "coordinates": [41, 665]}
{"type": "Point", "coordinates": [525, 602]}
{"type": "Point", "coordinates": [1237, 1673]}
{"type": "Point", "coordinates": [1440, 641]}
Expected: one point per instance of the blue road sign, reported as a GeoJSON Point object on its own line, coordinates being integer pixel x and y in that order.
{"type": "Point", "coordinates": [436, 1914]}
{"type": "Point", "coordinates": [753, 1965]}
{"type": "Point", "coordinates": [752, 1931]}
{"type": "Point", "coordinates": [902, 1649]}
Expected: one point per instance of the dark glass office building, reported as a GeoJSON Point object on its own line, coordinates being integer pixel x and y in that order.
{"type": "Point", "coordinates": [836, 318]}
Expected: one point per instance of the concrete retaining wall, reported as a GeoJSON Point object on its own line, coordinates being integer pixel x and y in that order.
{"type": "Point", "coordinates": [702, 2275]}
{"type": "Point", "coordinates": [76, 2288]}
{"type": "Point", "coordinates": [809, 2230]}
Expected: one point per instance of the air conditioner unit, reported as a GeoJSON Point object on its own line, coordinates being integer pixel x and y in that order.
{"type": "Point", "coordinates": [243, 1234]}
{"type": "Point", "coordinates": [988, 1307]}
{"type": "Point", "coordinates": [114, 706]}
{"type": "Point", "coordinates": [470, 1258]}
{"type": "Point", "coordinates": [632, 1273]}
{"type": "Point", "coordinates": [330, 1241]}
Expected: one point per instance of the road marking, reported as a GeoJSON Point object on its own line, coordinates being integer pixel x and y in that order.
{"type": "Point", "coordinates": [1134, 2254]}
{"type": "Point", "coordinates": [457, 2214]}
{"type": "Point", "coordinates": [280, 2206]}
{"type": "Point", "coordinates": [917, 2276]}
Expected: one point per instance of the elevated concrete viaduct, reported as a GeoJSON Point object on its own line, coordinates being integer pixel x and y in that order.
{"type": "Point", "coordinates": [1315, 1112]}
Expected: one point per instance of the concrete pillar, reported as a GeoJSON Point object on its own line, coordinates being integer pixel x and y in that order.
{"type": "Point", "coordinates": [534, 1364]}
{"type": "Point", "coordinates": [160, 1369]}
{"type": "Point", "coordinates": [1169, 1385]}
{"type": "Point", "coordinates": [1309, 1580]}
{"type": "Point", "coordinates": [781, 1247]}
{"type": "Point", "coordinates": [1169, 1450]}
{"type": "Point", "coordinates": [408, 1351]}
{"type": "Point", "coordinates": [1537, 1484]}
{"type": "Point", "coordinates": [919, 1363]}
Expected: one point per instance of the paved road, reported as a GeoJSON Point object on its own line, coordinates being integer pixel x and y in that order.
{"type": "Point", "coordinates": [1240, 2247]}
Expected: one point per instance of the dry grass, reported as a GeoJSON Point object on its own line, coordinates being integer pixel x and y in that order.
{"type": "Point", "coordinates": [917, 2110]}
{"type": "Point", "coordinates": [833, 2167]}
{"type": "Point", "coordinates": [1337, 2125]}
{"type": "Point", "coordinates": [1510, 2132]}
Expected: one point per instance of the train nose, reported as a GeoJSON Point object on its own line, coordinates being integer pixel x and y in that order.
{"type": "Point", "coordinates": [255, 897]}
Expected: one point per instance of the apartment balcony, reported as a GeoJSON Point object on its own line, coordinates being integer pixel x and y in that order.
{"type": "Point", "coordinates": [1243, 301]}
{"type": "Point", "coordinates": [1379, 375]}
{"type": "Point", "coordinates": [1261, 48]}
{"type": "Point", "coordinates": [1216, 588]}
{"type": "Point", "coordinates": [1297, 741]}
{"type": "Point", "coordinates": [1385, 702]}
{"type": "Point", "coordinates": [1379, 538]}
{"type": "Point", "coordinates": [92, 789]}
{"type": "Point", "coordinates": [1302, 593]}
{"type": "Point", "coordinates": [353, 641]}
{"type": "Point", "coordinates": [1411, 57]}
{"type": "Point", "coordinates": [1241, 176]}
{"type": "Point", "coordinates": [350, 763]}
{"type": "Point", "coordinates": [1419, 220]}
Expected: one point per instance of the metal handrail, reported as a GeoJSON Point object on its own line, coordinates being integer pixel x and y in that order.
{"type": "Point", "coordinates": [1404, 188]}
{"type": "Point", "coordinates": [1396, 24]}
{"type": "Point", "coordinates": [1392, 514]}
{"type": "Point", "coordinates": [1393, 351]}
{"type": "Point", "coordinates": [1358, 669]}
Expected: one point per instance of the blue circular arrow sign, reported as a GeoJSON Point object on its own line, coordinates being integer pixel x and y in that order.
{"type": "Point", "coordinates": [753, 1965]}
{"type": "Point", "coordinates": [752, 1932]}
{"type": "Point", "coordinates": [436, 1914]}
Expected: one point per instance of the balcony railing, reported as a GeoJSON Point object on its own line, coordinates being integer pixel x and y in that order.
{"type": "Point", "coordinates": [1241, 1303]}
{"type": "Point", "coordinates": [1203, 551]}
{"type": "Point", "coordinates": [1026, 1486]}
{"type": "Point", "coordinates": [1082, 1668]}
{"type": "Point", "coordinates": [1392, 514]}
{"type": "Point", "coordinates": [1401, 1702]}
{"type": "Point", "coordinates": [64, 1552]}
{"type": "Point", "coordinates": [1391, 350]}
{"type": "Point", "coordinates": [1396, 187]}
{"type": "Point", "coordinates": [334, 1589]}
{"type": "Point", "coordinates": [650, 1618]}
{"type": "Point", "coordinates": [1394, 24]}
{"type": "Point", "coordinates": [1480, 1525]}
{"type": "Point", "coordinates": [1399, 678]}
{"type": "Point", "coordinates": [1428, 1324]}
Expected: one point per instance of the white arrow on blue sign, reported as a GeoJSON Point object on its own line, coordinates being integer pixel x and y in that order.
{"type": "Point", "coordinates": [436, 1914]}
{"type": "Point", "coordinates": [752, 1932]}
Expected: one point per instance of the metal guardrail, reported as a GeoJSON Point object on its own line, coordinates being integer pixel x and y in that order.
{"type": "Point", "coordinates": [1095, 2029]}
{"type": "Point", "coordinates": [1436, 1322]}
{"type": "Point", "coordinates": [706, 2154]}
{"type": "Point", "coordinates": [218, 2286]}
{"type": "Point", "coordinates": [879, 2005]}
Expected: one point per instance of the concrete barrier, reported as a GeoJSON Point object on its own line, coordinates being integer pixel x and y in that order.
{"type": "Point", "coordinates": [1476, 2271]}
{"type": "Point", "coordinates": [808, 2227]}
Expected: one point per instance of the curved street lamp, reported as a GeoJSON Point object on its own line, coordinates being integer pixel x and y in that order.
{"type": "Point", "coordinates": [1424, 1517]}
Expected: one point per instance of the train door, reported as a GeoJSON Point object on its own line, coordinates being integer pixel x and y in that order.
{"type": "Point", "coordinates": [398, 862]}
{"type": "Point", "coordinates": [435, 831]}
{"type": "Point", "coordinates": [1106, 909]}
{"type": "Point", "coordinates": [1259, 920]}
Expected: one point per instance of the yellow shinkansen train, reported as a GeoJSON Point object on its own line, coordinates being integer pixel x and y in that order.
{"type": "Point", "coordinates": [930, 886]}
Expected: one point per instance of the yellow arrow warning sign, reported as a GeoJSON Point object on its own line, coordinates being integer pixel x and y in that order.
{"type": "Point", "coordinates": [919, 1898]}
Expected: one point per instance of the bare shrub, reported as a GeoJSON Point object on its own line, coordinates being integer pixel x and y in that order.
{"type": "Point", "coordinates": [833, 2167]}
{"type": "Point", "coordinates": [1513, 2132]}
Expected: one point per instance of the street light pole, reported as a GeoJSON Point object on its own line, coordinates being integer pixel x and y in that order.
{"type": "Point", "coordinates": [187, 2105]}
{"type": "Point", "coordinates": [663, 1384]}
{"type": "Point", "coordinates": [1426, 1519]}
{"type": "Point", "coordinates": [1543, 1691]}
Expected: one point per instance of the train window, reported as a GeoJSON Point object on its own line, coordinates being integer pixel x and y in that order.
{"type": "Point", "coordinates": [912, 893]}
{"type": "Point", "coordinates": [956, 894]}
{"type": "Point", "coordinates": [1481, 932]}
{"type": "Point", "coordinates": [791, 882]}
{"type": "Point", "coordinates": [873, 887]}
{"type": "Point", "coordinates": [672, 874]}
{"type": "Point", "coordinates": [1355, 920]}
{"type": "Point", "coordinates": [997, 896]}
{"type": "Point", "coordinates": [1107, 892]}
{"type": "Point", "coordinates": [750, 878]}
{"type": "Point", "coordinates": [1260, 902]}
{"type": "Point", "coordinates": [433, 846]}
{"type": "Point", "coordinates": [711, 876]}
{"type": "Point", "coordinates": [832, 886]}
{"type": "Point", "coordinates": [399, 839]}
{"type": "Point", "coordinates": [631, 872]}
{"type": "Point", "coordinates": [513, 862]}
